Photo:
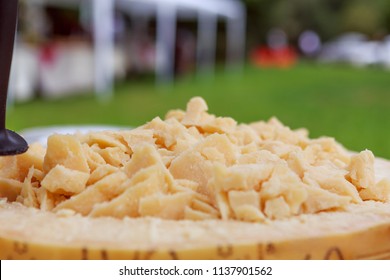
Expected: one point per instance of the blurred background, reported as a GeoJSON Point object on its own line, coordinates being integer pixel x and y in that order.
{"type": "Point", "coordinates": [319, 64]}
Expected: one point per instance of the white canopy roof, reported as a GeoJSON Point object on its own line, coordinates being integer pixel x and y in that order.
{"type": "Point", "coordinates": [224, 8]}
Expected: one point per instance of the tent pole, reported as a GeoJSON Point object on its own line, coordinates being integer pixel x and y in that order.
{"type": "Point", "coordinates": [103, 31]}
{"type": "Point", "coordinates": [166, 39]}
{"type": "Point", "coordinates": [206, 43]}
{"type": "Point", "coordinates": [236, 34]}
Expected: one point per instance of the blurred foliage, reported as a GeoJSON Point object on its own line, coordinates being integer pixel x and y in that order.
{"type": "Point", "coordinates": [363, 16]}
{"type": "Point", "coordinates": [327, 17]}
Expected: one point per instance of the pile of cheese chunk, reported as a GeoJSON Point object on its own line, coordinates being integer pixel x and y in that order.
{"type": "Point", "coordinates": [192, 165]}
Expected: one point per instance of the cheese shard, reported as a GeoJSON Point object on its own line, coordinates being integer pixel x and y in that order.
{"type": "Point", "coordinates": [361, 170]}
{"type": "Point", "coordinates": [65, 150]}
{"type": "Point", "coordinates": [379, 192]}
{"type": "Point", "coordinates": [62, 180]}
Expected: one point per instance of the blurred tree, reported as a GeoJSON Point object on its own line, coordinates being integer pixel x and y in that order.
{"type": "Point", "coordinates": [329, 18]}
{"type": "Point", "coordinates": [258, 20]}
{"type": "Point", "coordinates": [293, 16]}
{"type": "Point", "coordinates": [362, 16]}
{"type": "Point", "coordinates": [386, 15]}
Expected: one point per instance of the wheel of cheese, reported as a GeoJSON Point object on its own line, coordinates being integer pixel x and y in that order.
{"type": "Point", "coordinates": [194, 186]}
{"type": "Point", "coordinates": [362, 231]}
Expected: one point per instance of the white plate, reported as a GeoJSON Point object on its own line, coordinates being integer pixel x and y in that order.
{"type": "Point", "coordinates": [40, 134]}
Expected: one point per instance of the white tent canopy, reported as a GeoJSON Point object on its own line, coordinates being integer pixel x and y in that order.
{"type": "Point", "coordinates": [166, 12]}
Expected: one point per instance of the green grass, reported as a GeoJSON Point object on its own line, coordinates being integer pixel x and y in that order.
{"type": "Point", "coordinates": [352, 105]}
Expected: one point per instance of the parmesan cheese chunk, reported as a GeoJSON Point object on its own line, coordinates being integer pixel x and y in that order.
{"type": "Point", "coordinates": [361, 170]}
{"type": "Point", "coordinates": [63, 180]}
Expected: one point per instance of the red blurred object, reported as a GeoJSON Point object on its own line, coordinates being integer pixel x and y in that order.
{"type": "Point", "coordinates": [267, 57]}
{"type": "Point", "coordinates": [48, 53]}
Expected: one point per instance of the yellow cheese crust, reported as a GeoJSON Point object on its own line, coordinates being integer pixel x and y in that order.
{"type": "Point", "coordinates": [360, 232]}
